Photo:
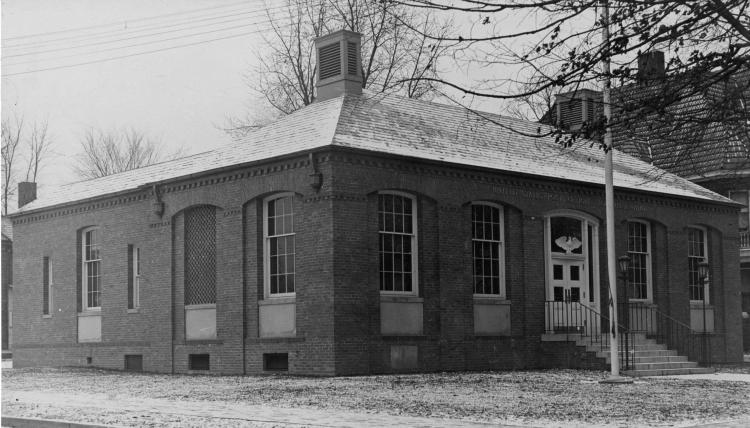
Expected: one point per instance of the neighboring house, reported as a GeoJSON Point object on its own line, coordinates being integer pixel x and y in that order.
{"type": "Point", "coordinates": [365, 233]}
{"type": "Point", "coordinates": [702, 135]}
{"type": "Point", "coordinates": [7, 282]}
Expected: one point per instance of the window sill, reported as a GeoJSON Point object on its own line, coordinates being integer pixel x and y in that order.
{"type": "Point", "coordinates": [134, 310]}
{"type": "Point", "coordinates": [47, 316]}
{"type": "Point", "coordinates": [491, 300]}
{"type": "Point", "coordinates": [395, 298]}
{"type": "Point", "coordinates": [90, 313]}
{"type": "Point", "coordinates": [699, 305]}
{"type": "Point", "coordinates": [201, 306]}
{"type": "Point", "coordinates": [276, 339]}
{"type": "Point", "coordinates": [277, 301]}
{"type": "Point", "coordinates": [189, 342]}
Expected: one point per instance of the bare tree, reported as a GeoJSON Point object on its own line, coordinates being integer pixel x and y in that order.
{"type": "Point", "coordinates": [109, 152]}
{"type": "Point", "coordinates": [558, 47]}
{"type": "Point", "coordinates": [39, 145]}
{"type": "Point", "coordinates": [26, 147]}
{"type": "Point", "coordinates": [394, 58]}
{"type": "Point", "coordinates": [12, 130]}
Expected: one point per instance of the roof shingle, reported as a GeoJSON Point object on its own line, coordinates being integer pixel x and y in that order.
{"type": "Point", "coordinates": [403, 127]}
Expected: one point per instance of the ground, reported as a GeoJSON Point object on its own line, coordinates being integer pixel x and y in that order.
{"type": "Point", "coordinates": [539, 398]}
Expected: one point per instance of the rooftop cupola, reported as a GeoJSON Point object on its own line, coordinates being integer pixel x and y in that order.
{"type": "Point", "coordinates": [339, 65]}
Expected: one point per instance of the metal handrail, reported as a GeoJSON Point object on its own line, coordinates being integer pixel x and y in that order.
{"type": "Point", "coordinates": [587, 325]}
{"type": "Point", "coordinates": [745, 239]}
{"type": "Point", "coordinates": [667, 330]}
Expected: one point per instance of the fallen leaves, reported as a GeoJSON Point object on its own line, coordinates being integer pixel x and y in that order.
{"type": "Point", "coordinates": [538, 397]}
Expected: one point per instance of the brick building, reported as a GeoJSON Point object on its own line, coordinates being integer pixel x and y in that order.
{"type": "Point", "coordinates": [7, 283]}
{"type": "Point", "coordinates": [362, 234]}
{"type": "Point", "coordinates": [702, 134]}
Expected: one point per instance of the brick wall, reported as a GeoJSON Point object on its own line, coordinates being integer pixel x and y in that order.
{"type": "Point", "coordinates": [444, 195]}
{"type": "Point", "coordinates": [337, 293]}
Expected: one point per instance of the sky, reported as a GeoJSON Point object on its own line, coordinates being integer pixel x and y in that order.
{"type": "Point", "coordinates": [179, 96]}
{"type": "Point", "coordinates": [174, 70]}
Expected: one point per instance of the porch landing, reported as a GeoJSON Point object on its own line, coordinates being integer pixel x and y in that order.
{"type": "Point", "coordinates": [645, 357]}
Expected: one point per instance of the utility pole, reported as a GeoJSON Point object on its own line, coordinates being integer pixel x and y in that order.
{"type": "Point", "coordinates": [609, 201]}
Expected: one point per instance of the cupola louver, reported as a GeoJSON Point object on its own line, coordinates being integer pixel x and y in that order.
{"type": "Point", "coordinates": [339, 65]}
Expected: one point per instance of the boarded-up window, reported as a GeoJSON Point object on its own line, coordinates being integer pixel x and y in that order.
{"type": "Point", "coordinates": [200, 255]}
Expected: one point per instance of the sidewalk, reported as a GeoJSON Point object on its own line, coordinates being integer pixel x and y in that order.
{"type": "Point", "coordinates": [234, 413]}
{"type": "Point", "coordinates": [733, 377]}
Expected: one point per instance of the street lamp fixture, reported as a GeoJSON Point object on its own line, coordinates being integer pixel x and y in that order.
{"type": "Point", "coordinates": [703, 275]}
{"type": "Point", "coordinates": [624, 263]}
{"type": "Point", "coordinates": [703, 270]}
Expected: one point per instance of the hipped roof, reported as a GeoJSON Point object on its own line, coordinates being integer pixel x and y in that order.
{"type": "Point", "coordinates": [394, 125]}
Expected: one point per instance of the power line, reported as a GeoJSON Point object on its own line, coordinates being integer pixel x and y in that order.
{"type": "Point", "coordinates": [147, 43]}
{"type": "Point", "coordinates": [150, 18]}
{"type": "Point", "coordinates": [136, 53]}
{"type": "Point", "coordinates": [200, 42]}
{"type": "Point", "coordinates": [120, 32]}
{"type": "Point", "coordinates": [138, 36]}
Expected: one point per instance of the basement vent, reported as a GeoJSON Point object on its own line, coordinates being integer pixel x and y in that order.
{"type": "Point", "coordinates": [134, 363]}
{"type": "Point", "coordinates": [351, 58]}
{"type": "Point", "coordinates": [199, 362]}
{"type": "Point", "coordinates": [329, 58]}
{"type": "Point", "coordinates": [276, 362]}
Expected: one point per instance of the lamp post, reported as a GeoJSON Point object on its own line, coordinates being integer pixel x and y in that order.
{"type": "Point", "coordinates": [624, 264]}
{"type": "Point", "coordinates": [703, 276]}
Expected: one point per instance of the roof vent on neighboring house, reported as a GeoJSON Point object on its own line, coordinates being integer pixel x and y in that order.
{"type": "Point", "coordinates": [339, 65]}
{"type": "Point", "coordinates": [574, 108]}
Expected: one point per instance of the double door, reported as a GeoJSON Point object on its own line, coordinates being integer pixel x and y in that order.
{"type": "Point", "coordinates": [568, 293]}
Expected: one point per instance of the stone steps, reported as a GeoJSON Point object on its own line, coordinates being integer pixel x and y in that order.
{"type": "Point", "coordinates": [669, 372]}
{"type": "Point", "coordinates": [648, 358]}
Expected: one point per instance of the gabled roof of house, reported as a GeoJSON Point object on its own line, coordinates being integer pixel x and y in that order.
{"type": "Point", "coordinates": [691, 137]}
{"type": "Point", "coordinates": [394, 125]}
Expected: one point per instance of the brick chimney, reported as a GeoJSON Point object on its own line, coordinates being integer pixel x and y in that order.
{"type": "Point", "coordinates": [339, 65]}
{"type": "Point", "coordinates": [650, 66]}
{"type": "Point", "coordinates": [26, 193]}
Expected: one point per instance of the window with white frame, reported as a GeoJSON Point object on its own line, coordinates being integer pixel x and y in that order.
{"type": "Point", "coordinates": [639, 250]}
{"type": "Point", "coordinates": [134, 285]}
{"type": "Point", "coordinates": [741, 196]}
{"type": "Point", "coordinates": [697, 252]}
{"type": "Point", "coordinates": [91, 269]}
{"type": "Point", "coordinates": [279, 251]}
{"type": "Point", "coordinates": [397, 226]}
{"type": "Point", "coordinates": [46, 286]}
{"type": "Point", "coordinates": [487, 244]}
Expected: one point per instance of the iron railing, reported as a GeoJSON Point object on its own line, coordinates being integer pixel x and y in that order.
{"type": "Point", "coordinates": [655, 324]}
{"type": "Point", "coordinates": [590, 328]}
{"type": "Point", "coordinates": [745, 240]}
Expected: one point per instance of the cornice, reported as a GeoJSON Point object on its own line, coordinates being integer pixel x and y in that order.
{"type": "Point", "coordinates": [145, 192]}
{"type": "Point", "coordinates": [532, 188]}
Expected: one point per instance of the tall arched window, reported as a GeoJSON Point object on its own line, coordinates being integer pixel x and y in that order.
{"type": "Point", "coordinates": [397, 226]}
{"type": "Point", "coordinates": [488, 254]}
{"type": "Point", "coordinates": [639, 250]}
{"type": "Point", "coordinates": [200, 255]}
{"type": "Point", "coordinates": [91, 269]}
{"type": "Point", "coordinates": [697, 252]}
{"type": "Point", "coordinates": [278, 245]}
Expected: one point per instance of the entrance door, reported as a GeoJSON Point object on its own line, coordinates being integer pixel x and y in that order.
{"type": "Point", "coordinates": [572, 279]}
{"type": "Point", "coordinates": [568, 292]}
